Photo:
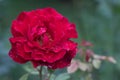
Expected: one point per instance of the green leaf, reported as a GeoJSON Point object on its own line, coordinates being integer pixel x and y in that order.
{"type": "Point", "coordinates": [96, 63]}
{"type": "Point", "coordinates": [24, 77]}
{"type": "Point", "coordinates": [63, 76]}
{"type": "Point", "coordinates": [52, 77]}
{"type": "Point", "coordinates": [30, 70]}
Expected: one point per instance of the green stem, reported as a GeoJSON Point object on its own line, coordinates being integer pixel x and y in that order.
{"type": "Point", "coordinates": [84, 54]}
{"type": "Point", "coordinates": [40, 73]}
{"type": "Point", "coordinates": [50, 73]}
{"type": "Point", "coordinates": [49, 76]}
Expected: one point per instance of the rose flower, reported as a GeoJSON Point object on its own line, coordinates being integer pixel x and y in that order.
{"type": "Point", "coordinates": [43, 36]}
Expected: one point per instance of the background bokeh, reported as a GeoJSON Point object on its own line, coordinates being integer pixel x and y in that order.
{"type": "Point", "coordinates": [97, 21]}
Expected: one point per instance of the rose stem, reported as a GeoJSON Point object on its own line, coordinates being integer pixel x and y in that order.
{"type": "Point", "coordinates": [49, 76]}
{"type": "Point", "coordinates": [40, 73]}
{"type": "Point", "coordinates": [51, 72]}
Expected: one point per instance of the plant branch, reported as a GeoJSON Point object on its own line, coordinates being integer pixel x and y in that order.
{"type": "Point", "coordinates": [40, 72]}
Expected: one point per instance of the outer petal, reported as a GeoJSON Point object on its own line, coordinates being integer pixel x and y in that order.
{"type": "Point", "coordinates": [53, 57]}
{"type": "Point", "coordinates": [16, 57]}
{"type": "Point", "coordinates": [63, 62]}
{"type": "Point", "coordinates": [20, 25]}
{"type": "Point", "coordinates": [71, 32]}
{"type": "Point", "coordinates": [38, 55]}
{"type": "Point", "coordinates": [49, 57]}
{"type": "Point", "coordinates": [21, 52]}
{"type": "Point", "coordinates": [18, 45]}
{"type": "Point", "coordinates": [17, 29]}
{"type": "Point", "coordinates": [69, 45]}
{"type": "Point", "coordinates": [48, 12]}
{"type": "Point", "coordinates": [14, 40]}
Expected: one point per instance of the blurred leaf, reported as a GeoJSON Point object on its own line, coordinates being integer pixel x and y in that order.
{"type": "Point", "coordinates": [73, 67]}
{"type": "Point", "coordinates": [104, 8]}
{"type": "Point", "coordinates": [52, 77]}
{"type": "Point", "coordinates": [83, 66]}
{"type": "Point", "coordinates": [112, 60]}
{"type": "Point", "coordinates": [63, 76]}
{"type": "Point", "coordinates": [88, 77]}
{"type": "Point", "coordinates": [116, 2]}
{"type": "Point", "coordinates": [96, 63]}
{"type": "Point", "coordinates": [30, 70]}
{"type": "Point", "coordinates": [24, 77]}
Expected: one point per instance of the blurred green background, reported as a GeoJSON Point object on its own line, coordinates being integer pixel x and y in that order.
{"type": "Point", "coordinates": [97, 21]}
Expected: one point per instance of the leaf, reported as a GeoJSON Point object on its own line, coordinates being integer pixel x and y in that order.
{"type": "Point", "coordinates": [52, 77]}
{"type": "Point", "coordinates": [24, 77]}
{"type": "Point", "coordinates": [96, 63]}
{"type": "Point", "coordinates": [73, 67]}
{"type": "Point", "coordinates": [88, 77]}
{"type": "Point", "coordinates": [83, 66]}
{"type": "Point", "coordinates": [63, 76]}
{"type": "Point", "coordinates": [112, 60]}
{"type": "Point", "coordinates": [99, 57]}
{"type": "Point", "coordinates": [31, 70]}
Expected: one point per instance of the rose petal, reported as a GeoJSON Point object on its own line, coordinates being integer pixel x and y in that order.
{"type": "Point", "coordinates": [15, 57]}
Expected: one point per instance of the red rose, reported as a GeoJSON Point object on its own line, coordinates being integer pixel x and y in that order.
{"type": "Point", "coordinates": [42, 36]}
